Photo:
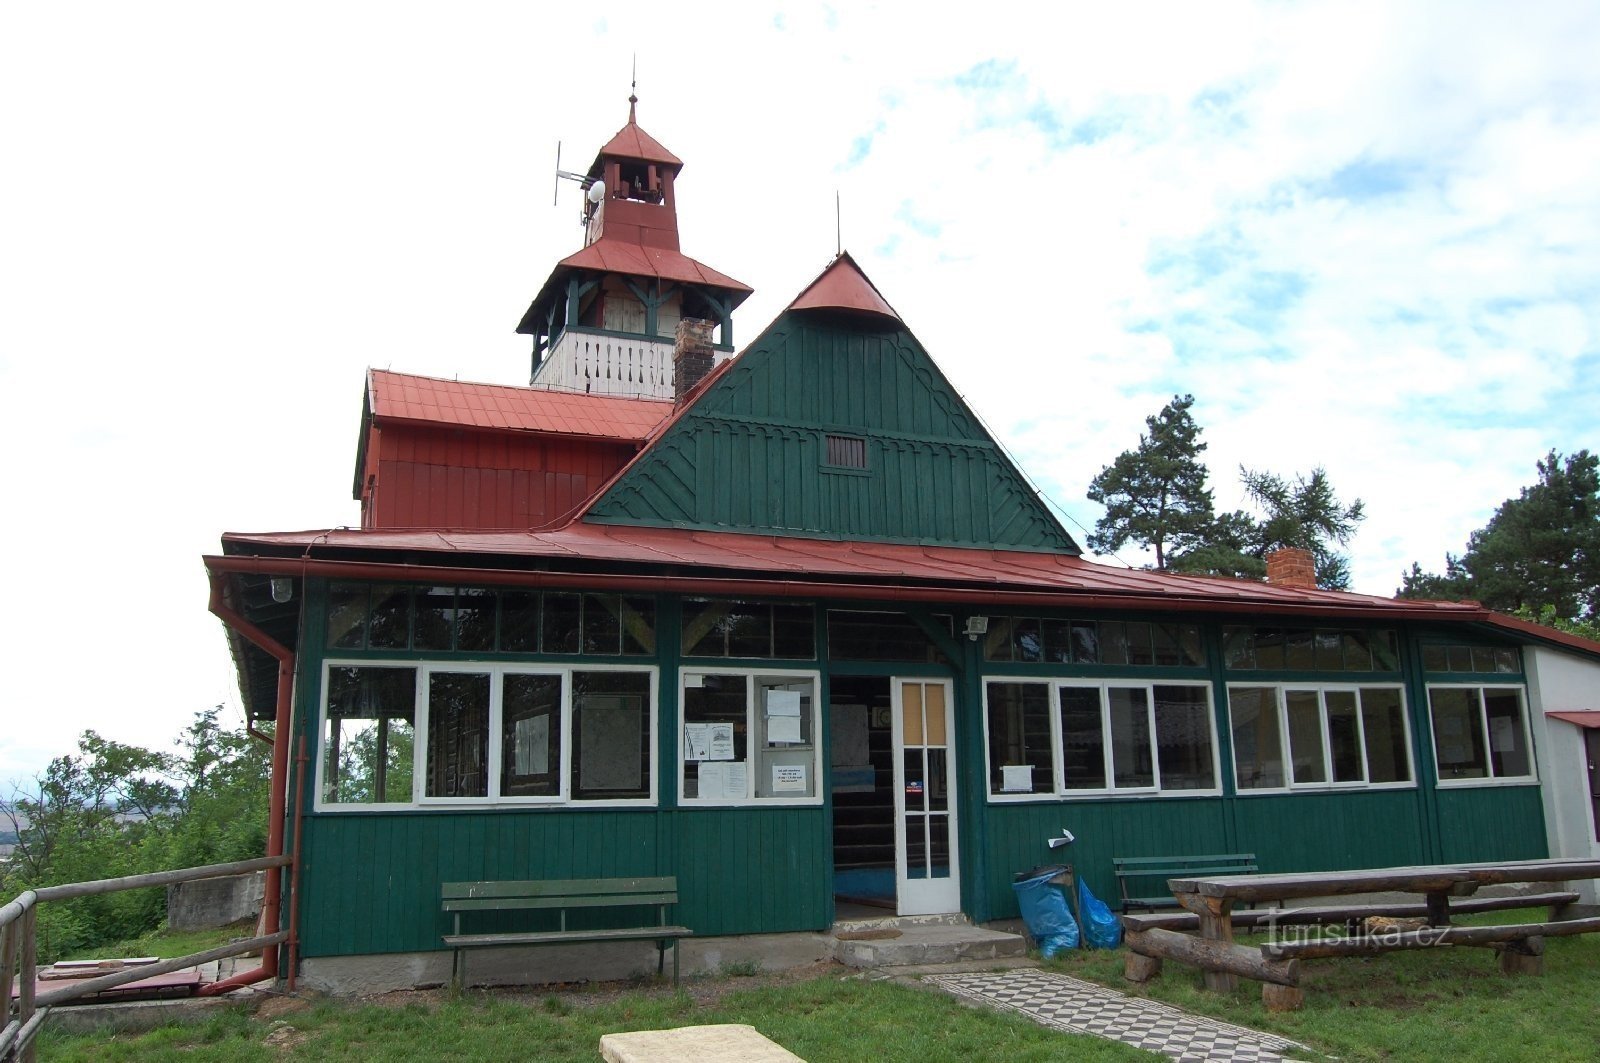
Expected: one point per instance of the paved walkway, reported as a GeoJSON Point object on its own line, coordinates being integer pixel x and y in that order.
{"type": "Point", "coordinates": [1065, 1003]}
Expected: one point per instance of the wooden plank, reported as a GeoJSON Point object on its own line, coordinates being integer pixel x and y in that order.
{"type": "Point", "coordinates": [557, 887]}
{"type": "Point", "coordinates": [499, 904]}
{"type": "Point", "coordinates": [1333, 915]}
{"type": "Point", "coordinates": [1422, 879]}
{"type": "Point", "coordinates": [1371, 944]}
{"type": "Point", "coordinates": [565, 937]}
{"type": "Point", "coordinates": [1184, 861]}
{"type": "Point", "coordinates": [1222, 957]}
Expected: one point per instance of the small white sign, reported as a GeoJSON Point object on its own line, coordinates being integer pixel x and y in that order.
{"type": "Point", "coordinates": [1016, 778]}
{"type": "Point", "coordinates": [788, 778]}
{"type": "Point", "coordinates": [720, 746]}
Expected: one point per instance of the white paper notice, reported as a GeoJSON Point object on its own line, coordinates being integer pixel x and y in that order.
{"type": "Point", "coordinates": [1016, 778]}
{"type": "Point", "coordinates": [738, 780]}
{"type": "Point", "coordinates": [719, 746]}
{"type": "Point", "coordinates": [1503, 735]}
{"type": "Point", "coordinates": [783, 729]}
{"type": "Point", "coordinates": [788, 778]}
{"type": "Point", "coordinates": [697, 741]}
{"type": "Point", "coordinates": [533, 745]}
{"type": "Point", "coordinates": [720, 781]}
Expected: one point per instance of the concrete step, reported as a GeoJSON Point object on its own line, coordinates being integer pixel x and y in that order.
{"type": "Point", "coordinates": [926, 944]}
{"type": "Point", "coordinates": [890, 921]}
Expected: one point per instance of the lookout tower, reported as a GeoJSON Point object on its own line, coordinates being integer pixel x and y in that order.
{"type": "Point", "coordinates": [605, 321]}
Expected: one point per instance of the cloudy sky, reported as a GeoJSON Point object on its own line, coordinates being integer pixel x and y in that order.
{"type": "Point", "coordinates": [1363, 235]}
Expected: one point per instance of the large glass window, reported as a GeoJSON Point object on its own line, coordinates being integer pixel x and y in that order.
{"type": "Point", "coordinates": [775, 630]}
{"type": "Point", "coordinates": [1317, 737]}
{"type": "Point", "coordinates": [1035, 639]}
{"type": "Point", "coordinates": [1310, 649]}
{"type": "Point", "coordinates": [368, 736]}
{"type": "Point", "coordinates": [1479, 732]}
{"type": "Point", "coordinates": [486, 733]}
{"type": "Point", "coordinates": [1078, 738]}
{"type": "Point", "coordinates": [749, 737]}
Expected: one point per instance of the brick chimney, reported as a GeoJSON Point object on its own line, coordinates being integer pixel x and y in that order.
{"type": "Point", "coordinates": [1289, 566]}
{"type": "Point", "coordinates": [691, 356]}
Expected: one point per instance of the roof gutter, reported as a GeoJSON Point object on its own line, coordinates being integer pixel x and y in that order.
{"type": "Point", "coordinates": [277, 785]}
{"type": "Point", "coordinates": [810, 588]}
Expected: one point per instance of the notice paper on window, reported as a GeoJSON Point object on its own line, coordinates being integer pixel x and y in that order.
{"type": "Point", "coordinates": [697, 741]}
{"type": "Point", "coordinates": [533, 745]}
{"type": "Point", "coordinates": [1503, 735]}
{"type": "Point", "coordinates": [720, 781]}
{"type": "Point", "coordinates": [788, 778]}
{"type": "Point", "coordinates": [1016, 778]}
{"type": "Point", "coordinates": [783, 716]}
{"type": "Point", "coordinates": [720, 745]}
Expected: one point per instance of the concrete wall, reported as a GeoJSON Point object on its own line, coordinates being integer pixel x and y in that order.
{"type": "Point", "coordinates": [1560, 682]}
{"type": "Point", "coordinates": [212, 902]}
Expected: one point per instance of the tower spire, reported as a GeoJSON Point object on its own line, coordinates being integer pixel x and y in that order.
{"type": "Point", "coordinates": [633, 96]}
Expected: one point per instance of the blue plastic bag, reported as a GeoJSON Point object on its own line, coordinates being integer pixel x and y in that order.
{"type": "Point", "coordinates": [1101, 929]}
{"type": "Point", "coordinates": [1045, 911]}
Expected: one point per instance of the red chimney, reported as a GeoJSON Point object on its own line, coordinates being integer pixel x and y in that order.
{"type": "Point", "coordinates": [691, 356]}
{"type": "Point", "coordinates": [1289, 566]}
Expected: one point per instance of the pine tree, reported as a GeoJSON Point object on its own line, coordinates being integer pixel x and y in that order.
{"type": "Point", "coordinates": [1155, 495]}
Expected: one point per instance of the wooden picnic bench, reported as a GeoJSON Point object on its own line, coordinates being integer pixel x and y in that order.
{"type": "Point", "coordinates": [563, 895]}
{"type": "Point", "coordinates": [1447, 891]}
{"type": "Point", "coordinates": [1131, 869]}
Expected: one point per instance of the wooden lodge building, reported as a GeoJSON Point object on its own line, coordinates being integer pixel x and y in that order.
{"type": "Point", "coordinates": [788, 624]}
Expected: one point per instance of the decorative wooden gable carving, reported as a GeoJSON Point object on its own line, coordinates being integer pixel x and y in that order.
{"type": "Point", "coordinates": [770, 447]}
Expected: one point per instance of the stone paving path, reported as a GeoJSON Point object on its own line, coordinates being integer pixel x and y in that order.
{"type": "Point", "coordinates": [1066, 1003]}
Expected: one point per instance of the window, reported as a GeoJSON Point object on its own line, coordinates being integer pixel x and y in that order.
{"type": "Point", "coordinates": [749, 737]}
{"type": "Point", "coordinates": [1479, 732]}
{"type": "Point", "coordinates": [1298, 737]}
{"type": "Point", "coordinates": [363, 616]}
{"type": "Point", "coordinates": [1076, 738]}
{"type": "Point", "coordinates": [775, 630]}
{"type": "Point", "coordinates": [855, 635]}
{"type": "Point", "coordinates": [1461, 658]}
{"type": "Point", "coordinates": [846, 452]}
{"type": "Point", "coordinates": [1310, 649]}
{"type": "Point", "coordinates": [449, 734]}
{"type": "Point", "coordinates": [1035, 639]}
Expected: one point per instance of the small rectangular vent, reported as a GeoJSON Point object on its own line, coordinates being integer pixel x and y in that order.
{"type": "Point", "coordinates": [847, 452]}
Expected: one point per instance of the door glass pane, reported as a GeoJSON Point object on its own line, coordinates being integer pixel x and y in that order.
{"type": "Point", "coordinates": [1384, 727]}
{"type": "Point", "coordinates": [911, 713]}
{"type": "Point", "coordinates": [1457, 733]}
{"type": "Point", "coordinates": [530, 737]}
{"type": "Point", "coordinates": [938, 779]}
{"type": "Point", "coordinates": [1305, 736]}
{"type": "Point", "coordinates": [1508, 742]}
{"type": "Point", "coordinates": [1083, 744]}
{"type": "Point", "coordinates": [458, 735]}
{"type": "Point", "coordinates": [933, 696]}
{"type": "Point", "coordinates": [1257, 742]}
{"type": "Point", "coordinates": [916, 846]}
{"type": "Point", "coordinates": [939, 846]}
{"type": "Point", "coordinates": [1132, 758]}
{"type": "Point", "coordinates": [1344, 736]}
{"type": "Point", "coordinates": [916, 781]}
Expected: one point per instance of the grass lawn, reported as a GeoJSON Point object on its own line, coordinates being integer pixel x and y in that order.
{"type": "Point", "coordinates": [168, 944]}
{"type": "Point", "coordinates": [820, 1019]}
{"type": "Point", "coordinates": [1446, 1004]}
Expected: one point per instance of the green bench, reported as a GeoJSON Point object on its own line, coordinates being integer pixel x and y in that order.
{"type": "Point", "coordinates": [563, 895]}
{"type": "Point", "coordinates": [1129, 869]}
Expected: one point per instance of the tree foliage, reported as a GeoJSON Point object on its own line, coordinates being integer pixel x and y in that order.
{"type": "Point", "coordinates": [112, 809]}
{"type": "Point", "coordinates": [1155, 495]}
{"type": "Point", "coordinates": [1540, 550]}
{"type": "Point", "coordinates": [1306, 514]}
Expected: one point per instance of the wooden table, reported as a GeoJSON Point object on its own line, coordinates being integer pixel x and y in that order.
{"type": "Point", "coordinates": [1211, 900]}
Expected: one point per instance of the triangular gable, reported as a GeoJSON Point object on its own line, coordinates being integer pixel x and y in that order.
{"type": "Point", "coordinates": [752, 452]}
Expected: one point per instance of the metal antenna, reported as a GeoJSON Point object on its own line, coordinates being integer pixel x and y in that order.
{"type": "Point", "coordinates": [838, 226]}
{"type": "Point", "coordinates": [633, 95]}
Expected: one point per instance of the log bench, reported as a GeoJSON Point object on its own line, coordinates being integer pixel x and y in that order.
{"type": "Point", "coordinates": [1447, 891]}
{"type": "Point", "coordinates": [563, 895]}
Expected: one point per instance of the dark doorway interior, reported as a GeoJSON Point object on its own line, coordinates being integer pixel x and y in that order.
{"type": "Point", "coordinates": [863, 792]}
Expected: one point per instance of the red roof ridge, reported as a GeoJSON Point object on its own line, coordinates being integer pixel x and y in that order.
{"type": "Point", "coordinates": [632, 142]}
{"type": "Point", "coordinates": [843, 285]}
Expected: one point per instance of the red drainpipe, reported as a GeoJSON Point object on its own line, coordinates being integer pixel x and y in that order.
{"type": "Point", "coordinates": [271, 907]}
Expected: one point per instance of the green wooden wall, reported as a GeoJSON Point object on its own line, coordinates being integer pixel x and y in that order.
{"type": "Point", "coordinates": [749, 455]}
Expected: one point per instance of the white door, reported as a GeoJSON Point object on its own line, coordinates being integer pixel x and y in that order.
{"type": "Point", "coordinates": [927, 874]}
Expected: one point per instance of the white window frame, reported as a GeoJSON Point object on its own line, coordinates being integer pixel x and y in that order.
{"type": "Point", "coordinates": [1531, 778]}
{"type": "Point", "coordinates": [496, 670]}
{"type": "Point", "coordinates": [1059, 790]}
{"type": "Point", "coordinates": [1281, 702]}
{"type": "Point", "coordinates": [751, 675]}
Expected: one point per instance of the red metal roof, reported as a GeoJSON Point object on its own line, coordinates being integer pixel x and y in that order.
{"type": "Point", "coordinates": [1582, 719]}
{"type": "Point", "coordinates": [618, 256]}
{"type": "Point", "coordinates": [631, 142]}
{"type": "Point", "coordinates": [796, 566]}
{"type": "Point", "coordinates": [402, 396]}
{"type": "Point", "coordinates": [842, 286]}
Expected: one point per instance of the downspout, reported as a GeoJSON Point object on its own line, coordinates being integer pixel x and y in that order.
{"type": "Point", "coordinates": [271, 907]}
